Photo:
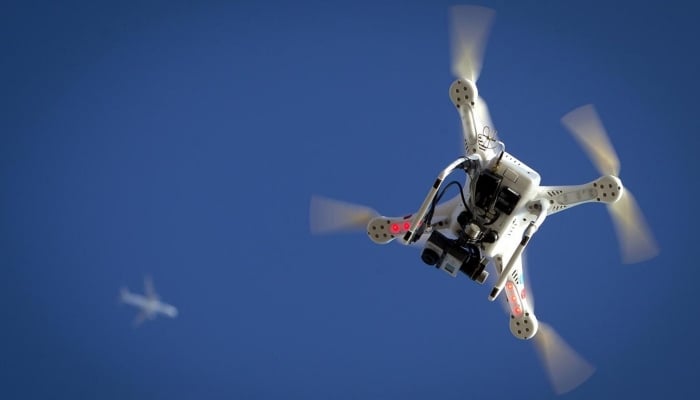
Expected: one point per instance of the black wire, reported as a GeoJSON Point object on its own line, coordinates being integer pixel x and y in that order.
{"type": "Point", "coordinates": [437, 198]}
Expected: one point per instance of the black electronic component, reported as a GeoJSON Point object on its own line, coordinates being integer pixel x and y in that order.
{"type": "Point", "coordinates": [506, 200]}
{"type": "Point", "coordinates": [430, 256]}
{"type": "Point", "coordinates": [453, 256]}
{"type": "Point", "coordinates": [490, 236]}
{"type": "Point", "coordinates": [486, 190]}
{"type": "Point", "coordinates": [464, 218]}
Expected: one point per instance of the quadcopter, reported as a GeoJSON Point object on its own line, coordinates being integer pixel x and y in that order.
{"type": "Point", "coordinates": [500, 206]}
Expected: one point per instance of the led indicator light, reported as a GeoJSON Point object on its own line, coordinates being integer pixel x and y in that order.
{"type": "Point", "coordinates": [395, 228]}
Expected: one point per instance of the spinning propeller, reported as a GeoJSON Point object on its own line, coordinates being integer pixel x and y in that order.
{"type": "Point", "coordinates": [329, 215]}
{"type": "Point", "coordinates": [565, 368]}
{"type": "Point", "coordinates": [469, 30]}
{"type": "Point", "coordinates": [636, 241]}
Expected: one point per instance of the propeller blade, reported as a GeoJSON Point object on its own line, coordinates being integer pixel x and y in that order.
{"type": "Point", "coordinates": [329, 215]}
{"type": "Point", "coordinates": [586, 127]}
{"type": "Point", "coordinates": [636, 241]}
{"type": "Point", "coordinates": [469, 29]}
{"type": "Point", "coordinates": [565, 368]}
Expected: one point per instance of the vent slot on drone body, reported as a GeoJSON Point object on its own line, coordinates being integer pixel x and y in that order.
{"type": "Point", "coordinates": [515, 276]}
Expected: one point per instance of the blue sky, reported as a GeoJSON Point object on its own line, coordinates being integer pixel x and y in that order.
{"type": "Point", "coordinates": [184, 141]}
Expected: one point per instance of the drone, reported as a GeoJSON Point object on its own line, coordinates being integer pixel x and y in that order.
{"type": "Point", "coordinates": [500, 206]}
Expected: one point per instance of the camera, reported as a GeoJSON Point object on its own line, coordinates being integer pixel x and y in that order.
{"type": "Point", "coordinates": [453, 256]}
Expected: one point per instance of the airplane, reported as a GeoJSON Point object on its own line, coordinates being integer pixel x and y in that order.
{"type": "Point", "coordinates": [500, 206]}
{"type": "Point", "coordinates": [149, 304]}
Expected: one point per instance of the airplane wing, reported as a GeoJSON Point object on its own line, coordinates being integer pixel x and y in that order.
{"type": "Point", "coordinates": [149, 289]}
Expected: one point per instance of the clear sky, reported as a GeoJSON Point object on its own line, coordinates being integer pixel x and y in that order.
{"type": "Point", "coordinates": [184, 141]}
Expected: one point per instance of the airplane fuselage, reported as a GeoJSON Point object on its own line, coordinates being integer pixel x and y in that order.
{"type": "Point", "coordinates": [151, 306]}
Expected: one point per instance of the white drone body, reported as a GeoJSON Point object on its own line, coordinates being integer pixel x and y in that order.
{"type": "Point", "coordinates": [500, 207]}
{"type": "Point", "coordinates": [513, 228]}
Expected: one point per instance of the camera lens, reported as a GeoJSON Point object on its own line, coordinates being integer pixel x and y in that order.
{"type": "Point", "coordinates": [429, 256]}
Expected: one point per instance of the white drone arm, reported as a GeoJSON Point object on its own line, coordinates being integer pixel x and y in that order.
{"type": "Point", "coordinates": [463, 94]}
{"type": "Point", "coordinates": [606, 189]}
{"type": "Point", "coordinates": [477, 128]}
{"type": "Point", "coordinates": [517, 302]}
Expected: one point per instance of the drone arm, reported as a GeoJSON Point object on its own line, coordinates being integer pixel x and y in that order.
{"type": "Point", "coordinates": [466, 163]}
{"type": "Point", "coordinates": [463, 94]}
{"type": "Point", "coordinates": [540, 207]}
{"type": "Point", "coordinates": [606, 189]}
